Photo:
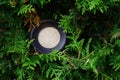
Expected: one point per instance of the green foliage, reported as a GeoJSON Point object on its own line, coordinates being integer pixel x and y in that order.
{"type": "Point", "coordinates": [40, 2]}
{"type": "Point", "coordinates": [92, 47]}
{"type": "Point", "coordinates": [91, 5]}
{"type": "Point", "coordinates": [26, 9]}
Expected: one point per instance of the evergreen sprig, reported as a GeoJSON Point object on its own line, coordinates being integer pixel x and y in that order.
{"type": "Point", "coordinates": [85, 56]}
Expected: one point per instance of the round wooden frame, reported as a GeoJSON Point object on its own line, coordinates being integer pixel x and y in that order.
{"type": "Point", "coordinates": [34, 35]}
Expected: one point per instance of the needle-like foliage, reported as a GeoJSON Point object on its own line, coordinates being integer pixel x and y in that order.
{"type": "Point", "coordinates": [92, 46]}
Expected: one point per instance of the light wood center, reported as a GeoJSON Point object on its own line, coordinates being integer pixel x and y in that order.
{"type": "Point", "coordinates": [49, 37]}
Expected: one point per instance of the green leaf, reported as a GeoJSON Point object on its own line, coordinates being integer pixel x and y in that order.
{"type": "Point", "coordinates": [25, 9]}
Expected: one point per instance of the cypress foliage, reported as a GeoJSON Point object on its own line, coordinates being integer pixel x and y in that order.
{"type": "Point", "coordinates": [91, 51]}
